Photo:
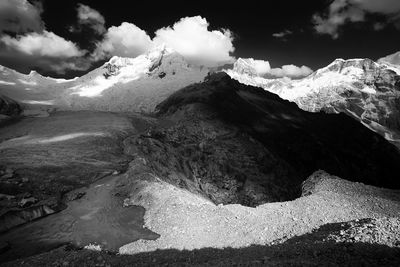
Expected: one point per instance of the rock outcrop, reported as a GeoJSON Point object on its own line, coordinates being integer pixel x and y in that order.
{"type": "Point", "coordinates": [9, 107]}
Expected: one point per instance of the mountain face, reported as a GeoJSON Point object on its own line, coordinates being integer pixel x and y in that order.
{"type": "Point", "coordinates": [138, 84]}
{"type": "Point", "coordinates": [363, 89]}
{"type": "Point", "coordinates": [234, 143]}
{"type": "Point", "coordinates": [121, 84]}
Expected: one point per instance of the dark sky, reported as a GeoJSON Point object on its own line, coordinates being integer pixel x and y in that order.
{"type": "Point", "coordinates": [252, 22]}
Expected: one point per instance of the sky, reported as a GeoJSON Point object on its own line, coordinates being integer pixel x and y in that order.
{"type": "Point", "coordinates": [288, 37]}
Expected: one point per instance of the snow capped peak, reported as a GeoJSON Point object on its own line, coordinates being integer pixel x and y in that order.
{"type": "Point", "coordinates": [359, 68]}
{"type": "Point", "coordinates": [156, 63]}
{"type": "Point", "coordinates": [33, 73]}
{"type": "Point", "coordinates": [153, 55]}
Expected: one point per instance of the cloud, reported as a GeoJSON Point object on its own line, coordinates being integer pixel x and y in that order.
{"type": "Point", "coordinates": [291, 71]}
{"type": "Point", "coordinates": [282, 34]}
{"type": "Point", "coordinates": [263, 69]}
{"type": "Point", "coordinates": [126, 40]}
{"type": "Point", "coordinates": [250, 65]}
{"type": "Point", "coordinates": [91, 18]}
{"type": "Point", "coordinates": [42, 44]}
{"type": "Point", "coordinates": [25, 43]}
{"type": "Point", "coordinates": [380, 6]}
{"type": "Point", "coordinates": [19, 16]}
{"type": "Point", "coordinates": [342, 12]}
{"type": "Point", "coordinates": [191, 38]}
{"type": "Point", "coordinates": [25, 63]}
{"type": "Point", "coordinates": [46, 51]}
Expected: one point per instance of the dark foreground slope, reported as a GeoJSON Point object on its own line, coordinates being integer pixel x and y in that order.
{"type": "Point", "coordinates": [240, 144]}
{"type": "Point", "coordinates": [8, 108]}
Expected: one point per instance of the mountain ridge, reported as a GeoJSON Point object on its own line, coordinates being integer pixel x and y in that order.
{"type": "Point", "coordinates": [120, 84]}
{"type": "Point", "coordinates": [363, 89]}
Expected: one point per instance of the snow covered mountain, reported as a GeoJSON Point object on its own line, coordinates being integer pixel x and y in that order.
{"type": "Point", "coordinates": [28, 88]}
{"type": "Point", "coordinates": [132, 84]}
{"type": "Point", "coordinates": [361, 88]}
{"type": "Point", "coordinates": [121, 84]}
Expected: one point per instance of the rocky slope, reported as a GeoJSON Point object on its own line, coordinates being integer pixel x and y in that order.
{"type": "Point", "coordinates": [233, 143]}
{"type": "Point", "coordinates": [363, 89]}
{"type": "Point", "coordinates": [236, 226]}
{"type": "Point", "coordinates": [314, 230]}
{"type": "Point", "coordinates": [220, 164]}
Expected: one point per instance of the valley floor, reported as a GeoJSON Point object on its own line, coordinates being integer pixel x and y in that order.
{"type": "Point", "coordinates": [305, 232]}
{"type": "Point", "coordinates": [335, 222]}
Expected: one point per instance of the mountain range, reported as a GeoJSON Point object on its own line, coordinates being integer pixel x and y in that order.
{"type": "Point", "coordinates": [365, 90]}
{"type": "Point", "coordinates": [121, 84]}
{"type": "Point", "coordinates": [202, 150]}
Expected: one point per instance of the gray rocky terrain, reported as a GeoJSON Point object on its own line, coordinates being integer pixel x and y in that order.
{"type": "Point", "coordinates": [221, 174]}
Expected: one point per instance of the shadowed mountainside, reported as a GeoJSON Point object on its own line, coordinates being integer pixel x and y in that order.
{"type": "Point", "coordinates": [240, 144]}
{"type": "Point", "coordinates": [8, 108]}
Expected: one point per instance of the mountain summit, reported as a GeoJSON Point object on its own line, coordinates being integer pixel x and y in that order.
{"type": "Point", "coordinates": [121, 84]}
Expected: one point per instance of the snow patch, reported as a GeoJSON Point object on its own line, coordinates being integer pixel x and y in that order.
{"type": "Point", "coordinates": [31, 140]}
{"type": "Point", "coordinates": [27, 82]}
{"type": "Point", "coordinates": [7, 83]}
{"type": "Point", "coordinates": [36, 102]}
{"type": "Point", "coordinates": [368, 90]}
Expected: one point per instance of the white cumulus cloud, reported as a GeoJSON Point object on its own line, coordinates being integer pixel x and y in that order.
{"type": "Point", "coordinates": [263, 69]}
{"type": "Point", "coordinates": [126, 40]}
{"type": "Point", "coordinates": [42, 44]}
{"type": "Point", "coordinates": [31, 45]}
{"type": "Point", "coordinates": [261, 66]}
{"type": "Point", "coordinates": [191, 38]}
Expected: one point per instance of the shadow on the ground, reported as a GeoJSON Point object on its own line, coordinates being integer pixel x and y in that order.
{"type": "Point", "coordinates": [306, 250]}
